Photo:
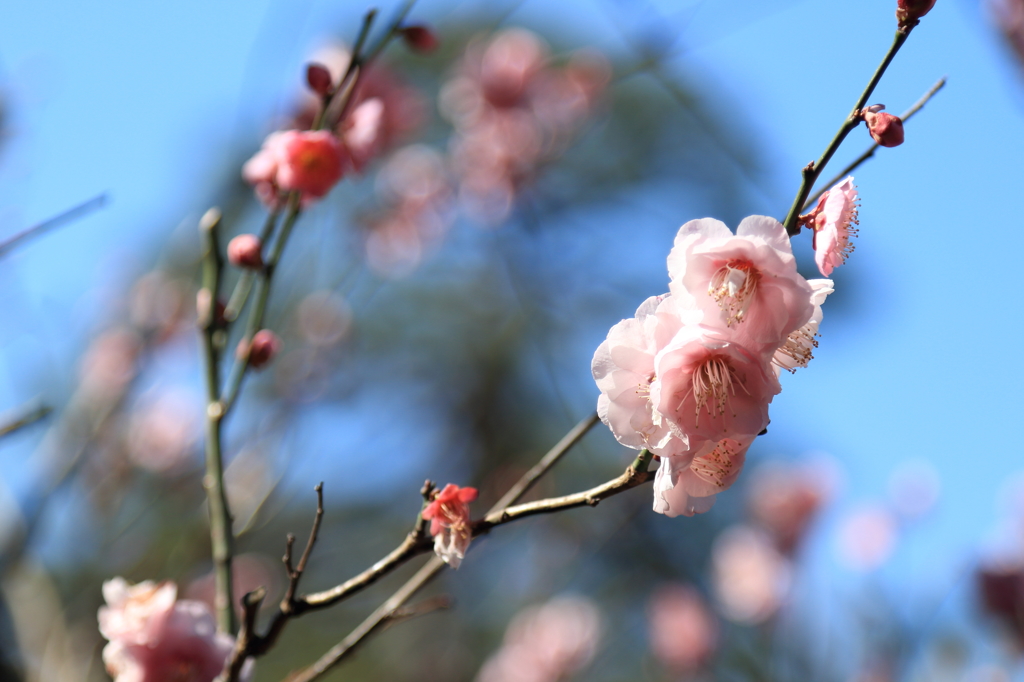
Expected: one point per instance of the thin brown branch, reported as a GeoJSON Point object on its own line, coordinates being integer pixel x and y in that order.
{"type": "Point", "coordinates": [635, 475]}
{"type": "Point", "coordinates": [441, 602]}
{"type": "Point", "coordinates": [870, 152]}
{"type": "Point", "coordinates": [516, 492]}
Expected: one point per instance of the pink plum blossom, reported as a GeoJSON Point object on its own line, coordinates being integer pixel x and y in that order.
{"type": "Point", "coordinates": [747, 282]}
{"type": "Point", "coordinates": [784, 499]}
{"type": "Point", "coordinates": [687, 485]}
{"type": "Point", "coordinates": [834, 221]}
{"type": "Point", "coordinates": [623, 368]}
{"type": "Point", "coordinates": [709, 387]}
{"type": "Point", "coordinates": [154, 638]}
{"type": "Point", "coordinates": [448, 514]}
{"type": "Point", "coordinates": [305, 161]}
{"type": "Point", "coordinates": [798, 348]}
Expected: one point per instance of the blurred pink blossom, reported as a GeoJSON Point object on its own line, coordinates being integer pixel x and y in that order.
{"type": "Point", "coordinates": [415, 191]}
{"type": "Point", "coordinates": [749, 575]}
{"type": "Point", "coordinates": [546, 643]}
{"type": "Point", "coordinates": [154, 638]}
{"type": "Point", "coordinates": [109, 363]}
{"type": "Point", "coordinates": [513, 113]}
{"type": "Point", "coordinates": [163, 430]}
{"type": "Point", "coordinates": [834, 219]}
{"type": "Point", "coordinates": [403, 109]}
{"type": "Point", "coordinates": [309, 162]}
{"type": "Point", "coordinates": [448, 514]}
{"type": "Point", "coordinates": [683, 630]}
{"type": "Point", "coordinates": [867, 537]}
{"type": "Point", "coordinates": [784, 499]}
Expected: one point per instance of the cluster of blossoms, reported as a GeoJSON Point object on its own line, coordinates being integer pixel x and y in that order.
{"type": "Point", "coordinates": [154, 637]}
{"type": "Point", "coordinates": [311, 162]}
{"type": "Point", "coordinates": [512, 112]}
{"type": "Point", "coordinates": [690, 376]}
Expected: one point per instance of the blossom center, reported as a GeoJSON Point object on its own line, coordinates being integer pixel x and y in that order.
{"type": "Point", "coordinates": [712, 384]}
{"type": "Point", "coordinates": [733, 287]}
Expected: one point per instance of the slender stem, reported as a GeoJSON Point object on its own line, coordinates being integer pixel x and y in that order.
{"type": "Point", "coordinates": [241, 292]}
{"type": "Point", "coordinates": [59, 219]}
{"type": "Point", "coordinates": [636, 474]}
{"type": "Point", "coordinates": [873, 148]}
{"type": "Point", "coordinates": [259, 308]}
{"type": "Point", "coordinates": [812, 170]}
{"type": "Point", "coordinates": [220, 513]}
{"type": "Point", "coordinates": [337, 102]}
{"type": "Point", "coordinates": [376, 619]}
{"type": "Point", "coordinates": [570, 439]}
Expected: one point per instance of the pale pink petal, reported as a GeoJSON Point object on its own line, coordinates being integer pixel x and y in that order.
{"type": "Point", "coordinates": [711, 388]}
{"type": "Point", "coordinates": [798, 348]}
{"type": "Point", "coordinates": [745, 283]}
{"type": "Point", "coordinates": [688, 485]}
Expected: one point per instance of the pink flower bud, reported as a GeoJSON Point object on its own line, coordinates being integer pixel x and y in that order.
{"type": "Point", "coordinates": [420, 38]}
{"type": "Point", "coordinates": [885, 129]}
{"type": "Point", "coordinates": [318, 78]}
{"type": "Point", "coordinates": [909, 11]}
{"type": "Point", "coordinates": [244, 252]}
{"type": "Point", "coordinates": [265, 345]}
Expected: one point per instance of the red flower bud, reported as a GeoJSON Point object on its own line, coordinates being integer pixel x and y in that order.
{"type": "Point", "coordinates": [909, 11]}
{"type": "Point", "coordinates": [885, 129]}
{"type": "Point", "coordinates": [318, 78]}
{"type": "Point", "coordinates": [265, 345]}
{"type": "Point", "coordinates": [244, 252]}
{"type": "Point", "coordinates": [420, 38]}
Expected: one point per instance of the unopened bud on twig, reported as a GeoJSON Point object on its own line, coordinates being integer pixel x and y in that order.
{"type": "Point", "coordinates": [908, 12]}
{"type": "Point", "coordinates": [885, 129]}
{"type": "Point", "coordinates": [419, 38]}
{"type": "Point", "coordinates": [264, 346]}
{"type": "Point", "coordinates": [318, 78]}
{"type": "Point", "coordinates": [244, 251]}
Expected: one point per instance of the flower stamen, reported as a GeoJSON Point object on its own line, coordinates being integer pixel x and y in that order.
{"type": "Point", "coordinates": [717, 464]}
{"type": "Point", "coordinates": [733, 287]}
